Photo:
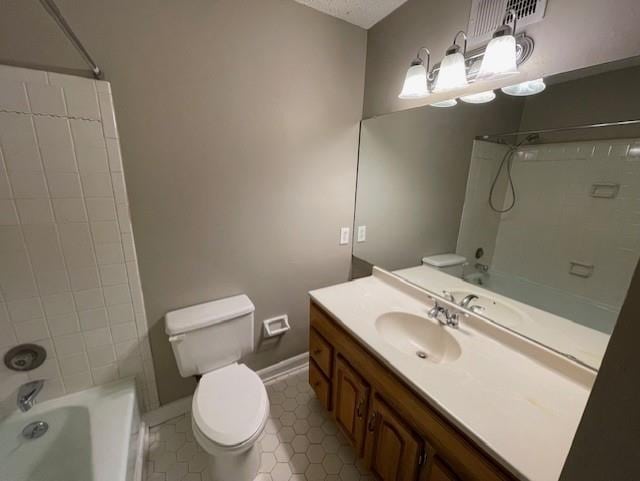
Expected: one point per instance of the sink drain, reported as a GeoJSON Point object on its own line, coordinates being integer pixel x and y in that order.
{"type": "Point", "coordinates": [422, 354]}
{"type": "Point", "coordinates": [35, 430]}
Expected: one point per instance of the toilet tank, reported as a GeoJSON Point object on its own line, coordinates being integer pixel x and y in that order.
{"type": "Point", "coordinates": [208, 336]}
{"type": "Point", "coordinates": [452, 264]}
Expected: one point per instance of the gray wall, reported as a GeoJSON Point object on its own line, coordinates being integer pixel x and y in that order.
{"type": "Point", "coordinates": [603, 97]}
{"type": "Point", "coordinates": [239, 128]}
{"type": "Point", "coordinates": [606, 444]}
{"type": "Point", "coordinates": [413, 175]}
{"type": "Point", "coordinates": [574, 34]}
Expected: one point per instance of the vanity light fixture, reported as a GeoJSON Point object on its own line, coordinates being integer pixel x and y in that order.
{"type": "Point", "coordinates": [479, 98]}
{"type": "Point", "coordinates": [530, 87]}
{"type": "Point", "coordinates": [416, 81]}
{"type": "Point", "coordinates": [500, 57]}
{"type": "Point", "coordinates": [445, 103]}
{"type": "Point", "coordinates": [453, 69]}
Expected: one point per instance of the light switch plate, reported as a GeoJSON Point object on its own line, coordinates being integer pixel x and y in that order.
{"type": "Point", "coordinates": [362, 233]}
{"type": "Point", "coordinates": [344, 236]}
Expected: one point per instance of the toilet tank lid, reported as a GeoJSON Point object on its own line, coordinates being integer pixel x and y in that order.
{"type": "Point", "coordinates": [207, 314]}
{"type": "Point", "coordinates": [444, 260]}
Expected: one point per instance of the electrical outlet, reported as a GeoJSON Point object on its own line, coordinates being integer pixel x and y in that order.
{"type": "Point", "coordinates": [344, 236]}
{"type": "Point", "coordinates": [362, 233]}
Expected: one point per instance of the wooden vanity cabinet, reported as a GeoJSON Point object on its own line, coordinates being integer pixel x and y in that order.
{"type": "Point", "coordinates": [350, 403]}
{"type": "Point", "coordinates": [320, 385]}
{"type": "Point", "coordinates": [393, 451]}
{"type": "Point", "coordinates": [397, 433]}
{"type": "Point", "coordinates": [440, 472]}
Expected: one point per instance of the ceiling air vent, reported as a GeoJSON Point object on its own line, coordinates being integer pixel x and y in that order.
{"type": "Point", "coordinates": [487, 15]}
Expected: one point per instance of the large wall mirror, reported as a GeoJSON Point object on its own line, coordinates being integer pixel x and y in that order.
{"type": "Point", "coordinates": [525, 210]}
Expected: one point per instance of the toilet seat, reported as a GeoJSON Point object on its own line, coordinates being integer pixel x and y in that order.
{"type": "Point", "coordinates": [230, 408]}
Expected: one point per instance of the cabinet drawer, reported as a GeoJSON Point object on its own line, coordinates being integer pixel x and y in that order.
{"type": "Point", "coordinates": [321, 352]}
{"type": "Point", "coordinates": [320, 385]}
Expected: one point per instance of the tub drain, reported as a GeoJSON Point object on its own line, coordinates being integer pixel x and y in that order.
{"type": "Point", "coordinates": [422, 354]}
{"type": "Point", "coordinates": [35, 430]}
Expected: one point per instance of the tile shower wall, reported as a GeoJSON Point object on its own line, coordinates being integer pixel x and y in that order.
{"type": "Point", "coordinates": [479, 224]}
{"type": "Point", "coordinates": [556, 219]}
{"type": "Point", "coordinates": [68, 272]}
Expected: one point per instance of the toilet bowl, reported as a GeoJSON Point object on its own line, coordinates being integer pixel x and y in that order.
{"type": "Point", "coordinates": [229, 412]}
{"type": "Point", "coordinates": [230, 407]}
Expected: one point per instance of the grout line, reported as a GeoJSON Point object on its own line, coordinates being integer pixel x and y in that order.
{"type": "Point", "coordinates": [53, 116]}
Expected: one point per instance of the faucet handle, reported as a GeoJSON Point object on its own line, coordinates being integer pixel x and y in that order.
{"type": "Point", "coordinates": [439, 313]}
{"type": "Point", "coordinates": [27, 394]}
{"type": "Point", "coordinates": [32, 388]}
{"type": "Point", "coordinates": [453, 320]}
{"type": "Point", "coordinates": [477, 309]}
{"type": "Point", "coordinates": [448, 296]}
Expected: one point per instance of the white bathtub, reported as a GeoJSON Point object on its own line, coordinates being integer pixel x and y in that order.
{"type": "Point", "coordinates": [92, 436]}
{"type": "Point", "coordinates": [561, 303]}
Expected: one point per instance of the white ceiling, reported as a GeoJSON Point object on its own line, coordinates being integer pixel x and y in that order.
{"type": "Point", "coordinates": [364, 13]}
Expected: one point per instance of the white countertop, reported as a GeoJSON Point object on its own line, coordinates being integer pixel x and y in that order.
{"type": "Point", "coordinates": [523, 410]}
{"type": "Point", "coordinates": [559, 333]}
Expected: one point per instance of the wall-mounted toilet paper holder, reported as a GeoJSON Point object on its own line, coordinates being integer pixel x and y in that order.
{"type": "Point", "coordinates": [276, 326]}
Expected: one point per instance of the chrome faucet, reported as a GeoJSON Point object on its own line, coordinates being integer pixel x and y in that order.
{"type": "Point", "coordinates": [481, 267]}
{"type": "Point", "coordinates": [27, 394]}
{"type": "Point", "coordinates": [448, 296]}
{"type": "Point", "coordinates": [465, 302]}
{"type": "Point", "coordinates": [443, 316]}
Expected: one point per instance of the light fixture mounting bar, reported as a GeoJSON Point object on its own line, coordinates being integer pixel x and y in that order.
{"type": "Point", "coordinates": [524, 49]}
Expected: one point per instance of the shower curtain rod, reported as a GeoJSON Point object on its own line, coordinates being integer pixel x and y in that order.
{"type": "Point", "coordinates": [53, 10]}
{"type": "Point", "coordinates": [561, 129]}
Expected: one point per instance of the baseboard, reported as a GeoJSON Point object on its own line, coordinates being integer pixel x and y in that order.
{"type": "Point", "coordinates": [167, 411]}
{"type": "Point", "coordinates": [284, 367]}
{"type": "Point", "coordinates": [181, 406]}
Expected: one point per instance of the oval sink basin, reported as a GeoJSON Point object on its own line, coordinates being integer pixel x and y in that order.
{"type": "Point", "coordinates": [418, 336]}
{"type": "Point", "coordinates": [494, 310]}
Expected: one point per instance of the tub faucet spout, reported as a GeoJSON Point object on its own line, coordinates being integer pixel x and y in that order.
{"type": "Point", "coordinates": [27, 394]}
{"type": "Point", "coordinates": [465, 302]}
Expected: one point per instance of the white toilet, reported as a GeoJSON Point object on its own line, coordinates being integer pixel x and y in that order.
{"type": "Point", "coordinates": [452, 264]}
{"type": "Point", "coordinates": [230, 406]}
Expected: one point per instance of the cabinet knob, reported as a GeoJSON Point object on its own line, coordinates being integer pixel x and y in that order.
{"type": "Point", "coordinates": [371, 425]}
{"type": "Point", "coordinates": [317, 351]}
{"type": "Point", "coordinates": [360, 409]}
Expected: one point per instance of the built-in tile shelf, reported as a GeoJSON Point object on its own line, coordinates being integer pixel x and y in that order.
{"type": "Point", "coordinates": [69, 279]}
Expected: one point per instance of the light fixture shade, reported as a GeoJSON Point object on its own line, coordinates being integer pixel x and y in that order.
{"type": "Point", "coordinates": [530, 87]}
{"type": "Point", "coordinates": [499, 58]}
{"type": "Point", "coordinates": [415, 83]}
{"type": "Point", "coordinates": [445, 103]}
{"type": "Point", "coordinates": [452, 74]}
{"type": "Point", "coordinates": [479, 98]}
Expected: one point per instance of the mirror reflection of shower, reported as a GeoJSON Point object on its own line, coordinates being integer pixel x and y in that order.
{"type": "Point", "coordinates": [507, 160]}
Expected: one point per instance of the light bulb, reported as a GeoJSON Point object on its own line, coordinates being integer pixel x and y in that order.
{"type": "Point", "coordinates": [452, 74]}
{"type": "Point", "coordinates": [530, 87]}
{"type": "Point", "coordinates": [415, 83]}
{"type": "Point", "coordinates": [499, 58]}
{"type": "Point", "coordinates": [479, 98]}
{"type": "Point", "coordinates": [445, 103]}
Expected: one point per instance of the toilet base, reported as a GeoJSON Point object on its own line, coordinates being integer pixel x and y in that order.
{"type": "Point", "coordinates": [237, 467]}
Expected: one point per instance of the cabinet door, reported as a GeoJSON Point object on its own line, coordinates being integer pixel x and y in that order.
{"type": "Point", "coordinates": [351, 397]}
{"type": "Point", "coordinates": [440, 472]}
{"type": "Point", "coordinates": [393, 451]}
{"type": "Point", "coordinates": [320, 385]}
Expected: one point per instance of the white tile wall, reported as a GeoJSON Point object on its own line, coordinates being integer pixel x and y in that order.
{"type": "Point", "coordinates": [69, 278]}
{"type": "Point", "coordinates": [479, 224]}
{"type": "Point", "coordinates": [556, 220]}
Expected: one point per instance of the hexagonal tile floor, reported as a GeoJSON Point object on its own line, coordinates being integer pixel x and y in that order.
{"type": "Point", "coordinates": [300, 442]}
